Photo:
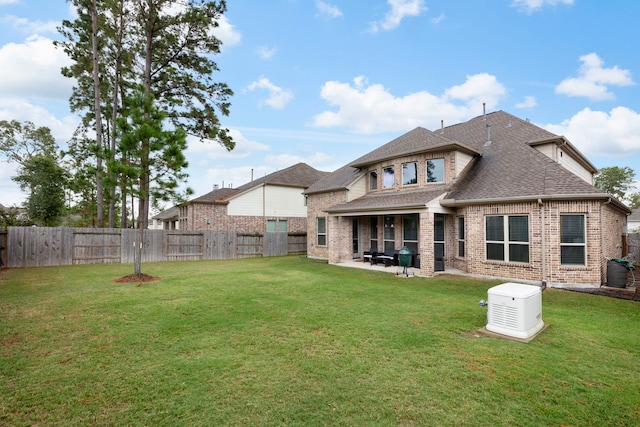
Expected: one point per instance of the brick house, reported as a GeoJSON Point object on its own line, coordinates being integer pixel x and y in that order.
{"type": "Point", "coordinates": [165, 220]}
{"type": "Point", "coordinates": [274, 202]}
{"type": "Point", "coordinates": [495, 196]}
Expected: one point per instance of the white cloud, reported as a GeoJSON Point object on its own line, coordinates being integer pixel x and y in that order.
{"type": "Point", "coordinates": [531, 6]}
{"type": "Point", "coordinates": [10, 194]}
{"type": "Point", "coordinates": [328, 9]}
{"type": "Point", "coordinates": [266, 52]}
{"type": "Point", "coordinates": [227, 34]}
{"type": "Point", "coordinates": [528, 102]}
{"type": "Point", "coordinates": [593, 79]}
{"type": "Point", "coordinates": [438, 19]}
{"type": "Point", "coordinates": [370, 108]}
{"type": "Point", "coordinates": [278, 97]}
{"type": "Point", "coordinates": [32, 69]}
{"type": "Point", "coordinates": [613, 134]}
{"type": "Point", "coordinates": [29, 27]}
{"type": "Point", "coordinates": [5, 2]}
{"type": "Point", "coordinates": [399, 10]}
{"type": "Point", "coordinates": [22, 110]}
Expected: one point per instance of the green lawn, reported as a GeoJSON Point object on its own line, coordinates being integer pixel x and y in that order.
{"type": "Point", "coordinates": [291, 341]}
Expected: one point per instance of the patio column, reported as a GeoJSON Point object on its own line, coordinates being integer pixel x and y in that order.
{"type": "Point", "coordinates": [339, 230]}
{"type": "Point", "coordinates": [425, 243]}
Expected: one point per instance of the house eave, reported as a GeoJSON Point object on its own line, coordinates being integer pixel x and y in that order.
{"type": "Point", "coordinates": [377, 210]}
{"type": "Point", "coordinates": [536, 198]}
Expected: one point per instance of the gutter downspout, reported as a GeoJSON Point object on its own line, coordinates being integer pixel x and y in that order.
{"type": "Point", "coordinates": [603, 263]}
{"type": "Point", "coordinates": [543, 244]}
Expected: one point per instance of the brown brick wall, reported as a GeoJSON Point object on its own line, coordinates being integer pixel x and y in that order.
{"type": "Point", "coordinates": [315, 207]}
{"type": "Point", "coordinates": [214, 217]}
{"type": "Point", "coordinates": [603, 228]}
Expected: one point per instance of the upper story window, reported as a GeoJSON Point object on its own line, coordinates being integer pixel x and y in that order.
{"type": "Point", "coordinates": [388, 177]}
{"type": "Point", "coordinates": [435, 170]}
{"type": "Point", "coordinates": [409, 173]}
{"type": "Point", "coordinates": [373, 180]}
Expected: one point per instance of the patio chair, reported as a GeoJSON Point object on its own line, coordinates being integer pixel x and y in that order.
{"type": "Point", "coordinates": [371, 255]}
{"type": "Point", "coordinates": [389, 257]}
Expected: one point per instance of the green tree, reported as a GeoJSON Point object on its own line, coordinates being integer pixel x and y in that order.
{"type": "Point", "coordinates": [165, 45]}
{"type": "Point", "coordinates": [634, 200]}
{"type": "Point", "coordinates": [45, 181]}
{"type": "Point", "coordinates": [615, 180]}
{"type": "Point", "coordinates": [19, 142]}
{"type": "Point", "coordinates": [156, 160]}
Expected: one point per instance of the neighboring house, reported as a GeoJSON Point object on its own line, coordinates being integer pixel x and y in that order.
{"type": "Point", "coordinates": [166, 220]}
{"type": "Point", "coordinates": [495, 196]}
{"type": "Point", "coordinates": [274, 202]}
{"type": "Point", "coordinates": [633, 221]}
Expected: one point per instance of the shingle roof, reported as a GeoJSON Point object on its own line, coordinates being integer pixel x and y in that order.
{"type": "Point", "coordinates": [635, 215]}
{"type": "Point", "coordinates": [419, 140]}
{"type": "Point", "coordinates": [509, 166]}
{"type": "Point", "coordinates": [506, 168]}
{"type": "Point", "coordinates": [337, 180]}
{"type": "Point", "coordinates": [172, 212]}
{"type": "Point", "coordinates": [299, 175]}
{"type": "Point", "coordinates": [400, 200]}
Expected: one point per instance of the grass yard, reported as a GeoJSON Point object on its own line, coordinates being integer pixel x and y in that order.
{"type": "Point", "coordinates": [290, 341]}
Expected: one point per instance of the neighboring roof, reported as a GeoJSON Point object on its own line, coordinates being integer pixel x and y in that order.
{"type": "Point", "coordinates": [167, 214]}
{"type": "Point", "coordinates": [299, 175]}
{"type": "Point", "coordinates": [507, 167]}
{"type": "Point", "coordinates": [634, 216]}
{"type": "Point", "coordinates": [337, 180]}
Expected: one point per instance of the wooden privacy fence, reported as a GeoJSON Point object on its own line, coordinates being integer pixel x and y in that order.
{"type": "Point", "coordinates": [633, 248]}
{"type": "Point", "coordinates": [47, 246]}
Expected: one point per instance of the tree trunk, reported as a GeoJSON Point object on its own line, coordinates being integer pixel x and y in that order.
{"type": "Point", "coordinates": [98, 114]}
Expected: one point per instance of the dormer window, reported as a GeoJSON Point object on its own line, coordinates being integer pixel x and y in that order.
{"type": "Point", "coordinates": [435, 170]}
{"type": "Point", "coordinates": [409, 173]}
{"type": "Point", "coordinates": [388, 177]}
{"type": "Point", "coordinates": [373, 180]}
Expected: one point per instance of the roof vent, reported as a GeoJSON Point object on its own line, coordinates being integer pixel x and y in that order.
{"type": "Point", "coordinates": [441, 126]}
{"type": "Point", "coordinates": [484, 111]}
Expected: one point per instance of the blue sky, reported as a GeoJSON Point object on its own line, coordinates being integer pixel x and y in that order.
{"type": "Point", "coordinates": [324, 82]}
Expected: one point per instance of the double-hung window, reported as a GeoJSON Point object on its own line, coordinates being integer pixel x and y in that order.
{"type": "Point", "coordinates": [507, 238]}
{"type": "Point", "coordinates": [322, 231]}
{"type": "Point", "coordinates": [572, 240]}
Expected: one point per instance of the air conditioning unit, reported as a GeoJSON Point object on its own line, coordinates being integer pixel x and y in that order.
{"type": "Point", "coordinates": [515, 310]}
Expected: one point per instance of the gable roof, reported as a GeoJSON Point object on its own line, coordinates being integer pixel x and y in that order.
{"type": "Point", "coordinates": [299, 175]}
{"type": "Point", "coordinates": [634, 216]}
{"type": "Point", "coordinates": [507, 166]}
{"type": "Point", "coordinates": [170, 213]}
{"type": "Point", "coordinates": [510, 168]}
{"type": "Point", "coordinates": [419, 140]}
